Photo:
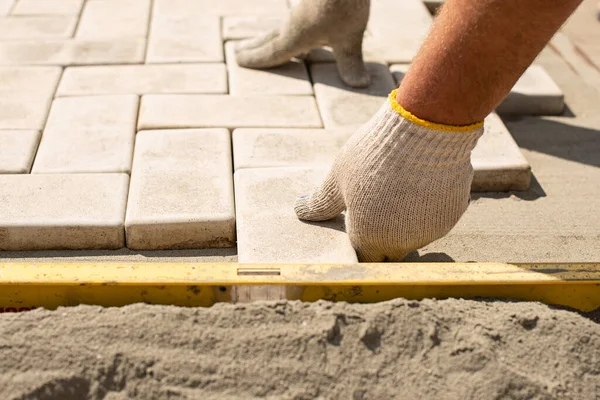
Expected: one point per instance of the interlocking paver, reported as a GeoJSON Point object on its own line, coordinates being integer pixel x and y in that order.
{"type": "Point", "coordinates": [267, 227]}
{"type": "Point", "coordinates": [342, 106]}
{"type": "Point", "coordinates": [288, 79]}
{"type": "Point", "coordinates": [143, 79]}
{"type": "Point", "coordinates": [535, 93]}
{"type": "Point", "coordinates": [208, 111]}
{"type": "Point", "coordinates": [256, 148]}
{"type": "Point", "coordinates": [185, 38]}
{"type": "Point", "coordinates": [38, 80]}
{"type": "Point", "coordinates": [184, 8]}
{"type": "Point", "coordinates": [247, 26]}
{"type": "Point", "coordinates": [114, 19]}
{"type": "Point", "coordinates": [181, 192]}
{"type": "Point", "coordinates": [497, 160]}
{"type": "Point", "coordinates": [76, 211]}
{"type": "Point", "coordinates": [47, 7]}
{"type": "Point", "coordinates": [17, 151]}
{"type": "Point", "coordinates": [72, 52]}
{"type": "Point", "coordinates": [37, 27]}
{"type": "Point", "coordinates": [88, 134]}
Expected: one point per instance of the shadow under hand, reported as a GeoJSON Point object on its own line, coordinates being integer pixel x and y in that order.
{"type": "Point", "coordinates": [534, 192]}
{"type": "Point", "coordinates": [429, 257]}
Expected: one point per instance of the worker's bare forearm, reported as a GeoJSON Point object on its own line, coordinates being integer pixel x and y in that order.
{"type": "Point", "coordinates": [475, 52]}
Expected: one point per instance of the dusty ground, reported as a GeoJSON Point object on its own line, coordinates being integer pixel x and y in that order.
{"type": "Point", "coordinates": [452, 349]}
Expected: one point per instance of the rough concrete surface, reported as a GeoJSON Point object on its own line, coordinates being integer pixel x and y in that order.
{"type": "Point", "coordinates": [451, 349]}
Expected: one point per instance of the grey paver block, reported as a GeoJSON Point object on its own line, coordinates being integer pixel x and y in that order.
{"type": "Point", "coordinates": [76, 211]}
{"type": "Point", "coordinates": [37, 27]}
{"type": "Point", "coordinates": [257, 148]}
{"type": "Point", "coordinates": [88, 134]}
{"type": "Point", "coordinates": [6, 6]}
{"type": "Point", "coordinates": [497, 160]}
{"type": "Point", "coordinates": [185, 39]}
{"type": "Point", "coordinates": [144, 79]}
{"type": "Point", "coordinates": [17, 151]}
{"type": "Point", "coordinates": [160, 111]}
{"type": "Point", "coordinates": [114, 19]}
{"type": "Point", "coordinates": [181, 192]}
{"type": "Point", "coordinates": [535, 93]}
{"type": "Point", "coordinates": [288, 79]}
{"type": "Point", "coordinates": [23, 110]}
{"type": "Point", "coordinates": [342, 106]}
{"type": "Point", "coordinates": [247, 26]}
{"type": "Point", "coordinates": [267, 227]}
{"type": "Point", "coordinates": [72, 52]}
{"type": "Point", "coordinates": [185, 8]}
{"type": "Point", "coordinates": [47, 7]}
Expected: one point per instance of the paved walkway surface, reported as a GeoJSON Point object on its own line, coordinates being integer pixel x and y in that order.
{"type": "Point", "coordinates": [129, 124]}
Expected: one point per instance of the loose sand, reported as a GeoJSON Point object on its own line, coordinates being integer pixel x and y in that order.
{"type": "Point", "coordinates": [451, 349]}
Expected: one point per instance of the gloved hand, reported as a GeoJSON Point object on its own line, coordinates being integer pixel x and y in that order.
{"type": "Point", "coordinates": [404, 183]}
{"type": "Point", "coordinates": [339, 24]}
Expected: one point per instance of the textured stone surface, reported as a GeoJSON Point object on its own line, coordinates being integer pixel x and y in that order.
{"type": "Point", "coordinates": [247, 26]}
{"type": "Point", "coordinates": [181, 192]}
{"type": "Point", "coordinates": [535, 93]}
{"type": "Point", "coordinates": [143, 79]}
{"type": "Point", "coordinates": [37, 27]}
{"type": "Point", "coordinates": [498, 163]}
{"type": "Point", "coordinates": [47, 7]}
{"type": "Point", "coordinates": [185, 38]}
{"type": "Point", "coordinates": [6, 6]}
{"type": "Point", "coordinates": [38, 80]}
{"type": "Point", "coordinates": [88, 134]}
{"type": "Point", "coordinates": [17, 150]}
{"type": "Point", "coordinates": [184, 8]}
{"type": "Point", "coordinates": [267, 227]}
{"type": "Point", "coordinates": [345, 107]}
{"type": "Point", "coordinates": [207, 111]}
{"type": "Point", "coordinates": [255, 148]}
{"type": "Point", "coordinates": [72, 52]}
{"type": "Point", "coordinates": [112, 19]}
{"type": "Point", "coordinates": [288, 79]}
{"type": "Point", "coordinates": [77, 211]}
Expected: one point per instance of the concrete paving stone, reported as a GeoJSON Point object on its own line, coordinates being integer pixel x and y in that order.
{"type": "Point", "coordinates": [181, 193]}
{"type": "Point", "coordinates": [345, 107]}
{"type": "Point", "coordinates": [72, 52]}
{"type": "Point", "coordinates": [186, 8]}
{"type": "Point", "coordinates": [6, 6]}
{"type": "Point", "coordinates": [208, 111]}
{"type": "Point", "coordinates": [257, 148]}
{"type": "Point", "coordinates": [114, 19]}
{"type": "Point", "coordinates": [88, 134]}
{"type": "Point", "coordinates": [24, 110]}
{"type": "Point", "coordinates": [143, 79]}
{"type": "Point", "coordinates": [247, 26]}
{"type": "Point", "coordinates": [187, 38]}
{"type": "Point", "coordinates": [289, 79]}
{"type": "Point", "coordinates": [535, 93]}
{"type": "Point", "coordinates": [268, 230]}
{"type": "Point", "coordinates": [17, 151]}
{"type": "Point", "coordinates": [76, 211]}
{"type": "Point", "coordinates": [47, 7]}
{"type": "Point", "coordinates": [497, 161]}
{"type": "Point", "coordinates": [37, 27]}
{"type": "Point", "coordinates": [41, 80]}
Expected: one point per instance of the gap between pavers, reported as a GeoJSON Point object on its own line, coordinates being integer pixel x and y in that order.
{"type": "Point", "coordinates": [114, 19]}
{"type": "Point", "coordinates": [268, 230]}
{"type": "Point", "coordinates": [76, 211]}
{"type": "Point", "coordinates": [535, 93]}
{"type": "Point", "coordinates": [88, 134]}
{"type": "Point", "coordinates": [144, 79]}
{"type": "Point", "coordinates": [288, 79]}
{"type": "Point", "coordinates": [37, 27]}
{"type": "Point", "coordinates": [72, 52]}
{"type": "Point", "coordinates": [181, 193]}
{"type": "Point", "coordinates": [208, 111]}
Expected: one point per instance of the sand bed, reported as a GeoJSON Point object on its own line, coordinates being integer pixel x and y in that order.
{"type": "Point", "coordinates": [451, 349]}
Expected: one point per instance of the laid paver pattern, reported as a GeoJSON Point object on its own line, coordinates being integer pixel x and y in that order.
{"type": "Point", "coordinates": [122, 122]}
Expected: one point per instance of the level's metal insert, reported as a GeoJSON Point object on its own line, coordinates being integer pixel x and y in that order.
{"type": "Point", "coordinates": [259, 271]}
